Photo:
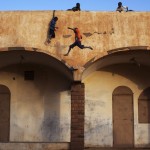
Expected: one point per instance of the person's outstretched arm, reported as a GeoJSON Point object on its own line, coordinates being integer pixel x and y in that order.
{"type": "Point", "coordinates": [53, 13]}
{"type": "Point", "coordinates": [71, 28]}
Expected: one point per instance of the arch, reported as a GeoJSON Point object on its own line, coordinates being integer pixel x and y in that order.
{"type": "Point", "coordinates": [145, 94]}
{"type": "Point", "coordinates": [4, 113]}
{"type": "Point", "coordinates": [53, 80]}
{"type": "Point", "coordinates": [138, 54]}
{"type": "Point", "coordinates": [16, 55]}
{"type": "Point", "coordinates": [30, 49]}
{"type": "Point", "coordinates": [144, 106]}
{"type": "Point", "coordinates": [122, 90]}
{"type": "Point", "coordinates": [4, 89]}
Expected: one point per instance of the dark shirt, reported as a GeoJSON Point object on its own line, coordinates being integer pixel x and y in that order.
{"type": "Point", "coordinates": [52, 24]}
{"type": "Point", "coordinates": [76, 8]}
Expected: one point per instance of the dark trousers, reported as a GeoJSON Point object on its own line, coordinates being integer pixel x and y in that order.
{"type": "Point", "coordinates": [51, 34]}
{"type": "Point", "coordinates": [77, 43]}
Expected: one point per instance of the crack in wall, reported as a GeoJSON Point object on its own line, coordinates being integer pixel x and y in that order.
{"type": "Point", "coordinates": [90, 34]}
{"type": "Point", "coordinates": [66, 36]}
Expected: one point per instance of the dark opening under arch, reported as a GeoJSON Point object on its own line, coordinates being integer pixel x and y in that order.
{"type": "Point", "coordinates": [4, 113]}
{"type": "Point", "coordinates": [144, 106]}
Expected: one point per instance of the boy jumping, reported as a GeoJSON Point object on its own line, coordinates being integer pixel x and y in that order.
{"type": "Point", "coordinates": [77, 42]}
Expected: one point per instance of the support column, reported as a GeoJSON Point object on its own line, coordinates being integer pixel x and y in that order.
{"type": "Point", "coordinates": [77, 116]}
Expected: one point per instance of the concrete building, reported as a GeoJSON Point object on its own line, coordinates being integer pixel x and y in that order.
{"type": "Point", "coordinates": [103, 103]}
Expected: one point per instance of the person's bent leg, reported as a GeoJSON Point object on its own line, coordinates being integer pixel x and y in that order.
{"type": "Point", "coordinates": [47, 41]}
{"type": "Point", "coordinates": [71, 47]}
{"type": "Point", "coordinates": [89, 47]}
{"type": "Point", "coordinates": [68, 51]}
{"type": "Point", "coordinates": [82, 46]}
{"type": "Point", "coordinates": [51, 35]}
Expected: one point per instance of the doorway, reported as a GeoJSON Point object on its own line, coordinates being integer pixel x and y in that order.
{"type": "Point", "coordinates": [123, 120]}
{"type": "Point", "coordinates": [4, 113]}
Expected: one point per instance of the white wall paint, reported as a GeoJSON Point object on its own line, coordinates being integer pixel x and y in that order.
{"type": "Point", "coordinates": [40, 109]}
{"type": "Point", "coordinates": [99, 87]}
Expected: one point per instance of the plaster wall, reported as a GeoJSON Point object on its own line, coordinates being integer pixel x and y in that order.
{"type": "Point", "coordinates": [40, 108]}
{"type": "Point", "coordinates": [103, 31]}
{"type": "Point", "coordinates": [34, 146]}
{"type": "Point", "coordinates": [99, 87]}
{"type": "Point", "coordinates": [43, 106]}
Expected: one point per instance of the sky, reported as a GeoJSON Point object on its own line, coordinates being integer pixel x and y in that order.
{"type": "Point", "coordinates": [86, 5]}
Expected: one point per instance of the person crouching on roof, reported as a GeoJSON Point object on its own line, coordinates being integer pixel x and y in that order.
{"type": "Point", "coordinates": [76, 8]}
{"type": "Point", "coordinates": [121, 8]}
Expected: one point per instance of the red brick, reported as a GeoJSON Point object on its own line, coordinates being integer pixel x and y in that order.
{"type": "Point", "coordinates": [77, 116]}
{"type": "Point", "coordinates": [77, 146]}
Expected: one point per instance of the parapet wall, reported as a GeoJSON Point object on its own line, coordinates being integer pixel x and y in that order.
{"type": "Point", "coordinates": [104, 31]}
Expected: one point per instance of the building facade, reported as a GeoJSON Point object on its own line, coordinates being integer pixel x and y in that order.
{"type": "Point", "coordinates": [96, 98]}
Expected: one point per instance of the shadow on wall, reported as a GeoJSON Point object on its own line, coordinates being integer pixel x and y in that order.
{"type": "Point", "coordinates": [53, 127]}
{"type": "Point", "coordinates": [138, 75]}
{"type": "Point", "coordinates": [37, 103]}
{"type": "Point", "coordinates": [143, 115]}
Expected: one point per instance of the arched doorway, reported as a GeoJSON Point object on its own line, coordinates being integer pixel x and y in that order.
{"type": "Point", "coordinates": [123, 129]}
{"type": "Point", "coordinates": [4, 113]}
{"type": "Point", "coordinates": [40, 79]}
{"type": "Point", "coordinates": [144, 106]}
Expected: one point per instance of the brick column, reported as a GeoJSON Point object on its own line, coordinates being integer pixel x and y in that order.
{"type": "Point", "coordinates": [77, 116]}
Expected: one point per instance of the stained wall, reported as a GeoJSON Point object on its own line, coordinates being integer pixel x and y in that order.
{"type": "Point", "coordinates": [36, 108]}
{"type": "Point", "coordinates": [103, 31]}
{"type": "Point", "coordinates": [99, 87]}
{"type": "Point", "coordinates": [39, 108]}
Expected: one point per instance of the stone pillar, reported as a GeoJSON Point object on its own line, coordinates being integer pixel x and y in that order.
{"type": "Point", "coordinates": [77, 116]}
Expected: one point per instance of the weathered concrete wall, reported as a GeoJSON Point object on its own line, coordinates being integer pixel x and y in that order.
{"type": "Point", "coordinates": [40, 108]}
{"type": "Point", "coordinates": [103, 31]}
{"type": "Point", "coordinates": [50, 114]}
{"type": "Point", "coordinates": [99, 87]}
{"type": "Point", "coordinates": [34, 146]}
